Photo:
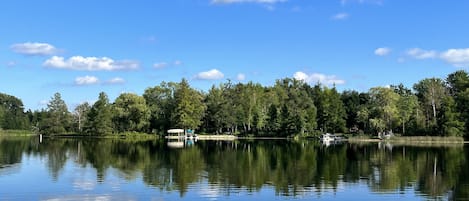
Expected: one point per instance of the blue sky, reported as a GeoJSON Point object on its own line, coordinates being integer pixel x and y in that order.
{"type": "Point", "coordinates": [80, 48]}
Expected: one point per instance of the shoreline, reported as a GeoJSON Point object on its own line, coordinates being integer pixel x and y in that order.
{"type": "Point", "coordinates": [399, 140]}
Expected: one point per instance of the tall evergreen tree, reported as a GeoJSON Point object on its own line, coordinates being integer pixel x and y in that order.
{"type": "Point", "coordinates": [58, 120]}
{"type": "Point", "coordinates": [351, 102]}
{"type": "Point", "coordinates": [99, 117]}
{"type": "Point", "coordinates": [449, 119]}
{"type": "Point", "coordinates": [458, 84]}
{"type": "Point", "coordinates": [189, 107]}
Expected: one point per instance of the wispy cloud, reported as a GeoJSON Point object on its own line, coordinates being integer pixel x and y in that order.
{"type": "Point", "coordinates": [93, 80]}
{"type": "Point", "coordinates": [213, 74]}
{"type": "Point", "coordinates": [34, 49]}
{"type": "Point", "coordinates": [340, 16]}
{"type": "Point", "coordinates": [246, 1]}
{"type": "Point", "coordinates": [418, 53]}
{"type": "Point", "coordinates": [458, 57]}
{"type": "Point", "coordinates": [90, 63]}
{"type": "Point", "coordinates": [382, 51]}
{"type": "Point", "coordinates": [318, 77]}
{"type": "Point", "coordinates": [116, 80]}
{"type": "Point", "coordinates": [164, 64]}
{"type": "Point", "coordinates": [86, 80]}
{"type": "Point", "coordinates": [160, 65]}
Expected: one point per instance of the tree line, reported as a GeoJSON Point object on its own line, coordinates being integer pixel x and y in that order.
{"type": "Point", "coordinates": [290, 107]}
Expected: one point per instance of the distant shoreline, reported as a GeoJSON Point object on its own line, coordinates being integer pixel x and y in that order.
{"type": "Point", "coordinates": [413, 140]}
{"type": "Point", "coordinates": [423, 140]}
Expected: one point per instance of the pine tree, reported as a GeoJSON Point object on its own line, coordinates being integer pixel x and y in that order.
{"type": "Point", "coordinates": [58, 120]}
{"type": "Point", "coordinates": [99, 117]}
{"type": "Point", "coordinates": [189, 108]}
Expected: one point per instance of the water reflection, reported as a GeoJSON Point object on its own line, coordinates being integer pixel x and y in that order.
{"type": "Point", "coordinates": [224, 168]}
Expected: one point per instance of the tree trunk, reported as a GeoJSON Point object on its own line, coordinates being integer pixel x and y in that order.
{"type": "Point", "coordinates": [403, 128]}
{"type": "Point", "coordinates": [433, 104]}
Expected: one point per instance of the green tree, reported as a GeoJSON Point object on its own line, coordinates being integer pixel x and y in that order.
{"type": "Point", "coordinates": [297, 109]}
{"type": "Point", "coordinates": [99, 117]}
{"type": "Point", "coordinates": [351, 102]}
{"type": "Point", "coordinates": [189, 106]}
{"type": "Point", "coordinates": [160, 100]}
{"type": "Point", "coordinates": [330, 109]}
{"type": "Point", "coordinates": [407, 105]}
{"type": "Point", "coordinates": [217, 112]}
{"type": "Point", "coordinates": [458, 84]}
{"type": "Point", "coordinates": [58, 119]}
{"type": "Point", "coordinates": [449, 118]}
{"type": "Point", "coordinates": [384, 110]}
{"type": "Point", "coordinates": [252, 107]}
{"type": "Point", "coordinates": [130, 113]}
{"type": "Point", "coordinates": [431, 92]}
{"type": "Point", "coordinates": [363, 117]}
{"type": "Point", "coordinates": [12, 114]}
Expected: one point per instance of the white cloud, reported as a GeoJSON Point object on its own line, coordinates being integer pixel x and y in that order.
{"type": "Point", "coordinates": [213, 74]}
{"type": "Point", "coordinates": [86, 80]}
{"type": "Point", "coordinates": [246, 1]}
{"type": "Point", "coordinates": [457, 57]}
{"type": "Point", "coordinates": [116, 80]}
{"type": "Point", "coordinates": [167, 64]}
{"type": "Point", "coordinates": [382, 51]}
{"type": "Point", "coordinates": [418, 53]}
{"type": "Point", "coordinates": [34, 49]}
{"type": "Point", "coordinates": [90, 63]}
{"type": "Point", "coordinates": [317, 77]}
{"type": "Point", "coordinates": [241, 77]}
{"type": "Point", "coordinates": [340, 16]}
{"type": "Point", "coordinates": [160, 65]}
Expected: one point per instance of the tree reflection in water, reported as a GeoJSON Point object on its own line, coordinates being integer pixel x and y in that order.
{"type": "Point", "coordinates": [290, 167]}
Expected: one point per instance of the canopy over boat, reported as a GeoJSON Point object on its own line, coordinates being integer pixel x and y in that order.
{"type": "Point", "coordinates": [173, 131]}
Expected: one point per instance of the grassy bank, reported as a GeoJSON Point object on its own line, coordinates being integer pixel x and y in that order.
{"type": "Point", "coordinates": [426, 139]}
{"type": "Point", "coordinates": [16, 133]}
{"type": "Point", "coordinates": [217, 137]}
{"type": "Point", "coordinates": [410, 139]}
{"type": "Point", "coordinates": [127, 135]}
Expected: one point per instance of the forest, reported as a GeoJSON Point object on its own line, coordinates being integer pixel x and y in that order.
{"type": "Point", "coordinates": [432, 107]}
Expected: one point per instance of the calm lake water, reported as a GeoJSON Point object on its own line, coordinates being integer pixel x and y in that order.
{"type": "Point", "coordinates": [104, 169]}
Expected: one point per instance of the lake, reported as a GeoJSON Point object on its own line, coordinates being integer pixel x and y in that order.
{"type": "Point", "coordinates": [118, 169]}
